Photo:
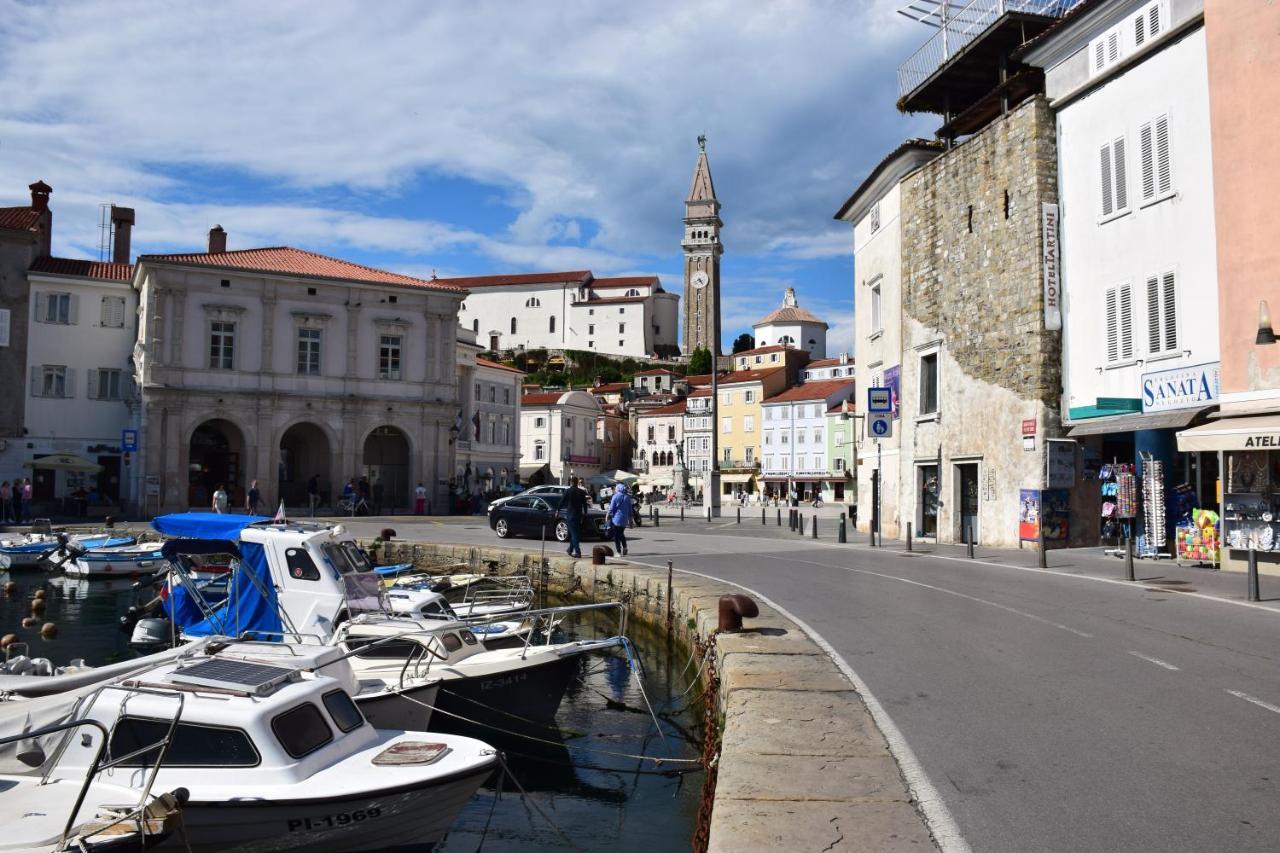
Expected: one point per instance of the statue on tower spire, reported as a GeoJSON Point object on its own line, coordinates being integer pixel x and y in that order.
{"type": "Point", "coordinates": [702, 142]}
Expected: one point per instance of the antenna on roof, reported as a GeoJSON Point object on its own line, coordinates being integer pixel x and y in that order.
{"type": "Point", "coordinates": [106, 232]}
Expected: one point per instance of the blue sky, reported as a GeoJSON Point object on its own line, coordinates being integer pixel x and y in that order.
{"type": "Point", "coordinates": [465, 139]}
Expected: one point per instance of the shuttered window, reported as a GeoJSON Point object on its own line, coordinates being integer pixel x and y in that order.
{"type": "Point", "coordinates": [1113, 177]}
{"type": "Point", "coordinates": [1106, 50]}
{"type": "Point", "coordinates": [1119, 309]}
{"type": "Point", "coordinates": [1162, 314]}
{"type": "Point", "coordinates": [1157, 170]}
{"type": "Point", "coordinates": [113, 311]}
{"type": "Point", "coordinates": [1148, 23]}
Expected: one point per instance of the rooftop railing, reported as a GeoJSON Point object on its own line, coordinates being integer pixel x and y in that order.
{"type": "Point", "coordinates": [959, 24]}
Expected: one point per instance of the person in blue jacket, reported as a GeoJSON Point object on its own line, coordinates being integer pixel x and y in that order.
{"type": "Point", "coordinates": [619, 517]}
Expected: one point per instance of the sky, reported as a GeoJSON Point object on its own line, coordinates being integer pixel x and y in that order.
{"type": "Point", "coordinates": [465, 138]}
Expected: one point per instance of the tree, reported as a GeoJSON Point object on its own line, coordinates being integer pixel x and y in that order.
{"type": "Point", "coordinates": [700, 361]}
{"type": "Point", "coordinates": [744, 342]}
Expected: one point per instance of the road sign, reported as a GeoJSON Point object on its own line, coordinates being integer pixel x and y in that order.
{"type": "Point", "coordinates": [879, 400]}
{"type": "Point", "coordinates": [880, 425]}
{"type": "Point", "coordinates": [129, 441]}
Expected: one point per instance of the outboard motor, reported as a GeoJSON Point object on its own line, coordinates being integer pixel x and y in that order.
{"type": "Point", "coordinates": [151, 634]}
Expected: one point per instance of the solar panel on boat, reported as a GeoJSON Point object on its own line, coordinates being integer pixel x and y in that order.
{"type": "Point", "coordinates": [221, 672]}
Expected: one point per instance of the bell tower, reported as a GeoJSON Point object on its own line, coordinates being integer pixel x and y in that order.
{"type": "Point", "coordinates": [702, 250]}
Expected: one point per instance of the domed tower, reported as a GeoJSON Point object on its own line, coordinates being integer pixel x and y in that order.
{"type": "Point", "coordinates": [792, 326]}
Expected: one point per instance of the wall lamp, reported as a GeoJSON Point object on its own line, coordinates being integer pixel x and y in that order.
{"type": "Point", "coordinates": [1266, 335]}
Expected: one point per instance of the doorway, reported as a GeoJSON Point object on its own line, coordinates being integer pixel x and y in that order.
{"type": "Point", "coordinates": [967, 500]}
{"type": "Point", "coordinates": [927, 500]}
{"type": "Point", "coordinates": [386, 464]}
{"type": "Point", "coordinates": [214, 460]}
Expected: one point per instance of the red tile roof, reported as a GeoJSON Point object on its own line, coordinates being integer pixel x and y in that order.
{"type": "Point", "coordinates": [609, 387]}
{"type": "Point", "coordinates": [826, 362]}
{"type": "Point", "coordinates": [627, 281]}
{"type": "Point", "coordinates": [698, 379]}
{"type": "Point", "coordinates": [290, 261]}
{"type": "Point", "coordinates": [749, 375]}
{"type": "Point", "coordinates": [762, 350]}
{"type": "Point", "coordinates": [487, 363]}
{"type": "Point", "coordinates": [575, 276]}
{"type": "Point", "coordinates": [839, 407]}
{"type": "Point", "coordinates": [78, 267]}
{"type": "Point", "coordinates": [702, 391]}
{"type": "Point", "coordinates": [545, 398]}
{"type": "Point", "coordinates": [673, 409]}
{"type": "Point", "coordinates": [820, 390]}
{"type": "Point", "coordinates": [789, 314]}
{"type": "Point", "coordinates": [23, 218]}
{"type": "Point", "coordinates": [657, 371]}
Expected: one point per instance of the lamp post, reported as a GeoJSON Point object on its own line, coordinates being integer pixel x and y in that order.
{"type": "Point", "coordinates": [711, 491]}
{"type": "Point", "coordinates": [1266, 335]}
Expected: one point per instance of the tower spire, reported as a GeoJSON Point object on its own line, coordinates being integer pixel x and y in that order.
{"type": "Point", "coordinates": [702, 250]}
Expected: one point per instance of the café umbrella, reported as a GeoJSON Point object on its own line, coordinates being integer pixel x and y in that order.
{"type": "Point", "coordinates": [64, 462]}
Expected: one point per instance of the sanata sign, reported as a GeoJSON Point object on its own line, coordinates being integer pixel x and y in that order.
{"type": "Point", "coordinates": [1180, 388]}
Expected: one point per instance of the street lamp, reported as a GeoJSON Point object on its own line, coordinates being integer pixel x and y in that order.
{"type": "Point", "coordinates": [1266, 335]}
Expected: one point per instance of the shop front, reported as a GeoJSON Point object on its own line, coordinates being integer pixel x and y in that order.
{"type": "Point", "coordinates": [1248, 449]}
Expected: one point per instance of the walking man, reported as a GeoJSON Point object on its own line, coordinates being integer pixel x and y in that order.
{"type": "Point", "coordinates": [252, 498]}
{"type": "Point", "coordinates": [619, 514]}
{"type": "Point", "coordinates": [574, 507]}
{"type": "Point", "coordinates": [313, 493]}
{"type": "Point", "coordinates": [220, 499]}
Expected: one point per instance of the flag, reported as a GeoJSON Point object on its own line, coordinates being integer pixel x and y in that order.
{"type": "Point", "coordinates": [475, 422]}
{"type": "Point", "coordinates": [280, 513]}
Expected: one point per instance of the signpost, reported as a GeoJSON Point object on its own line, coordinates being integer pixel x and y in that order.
{"type": "Point", "coordinates": [880, 424]}
{"type": "Point", "coordinates": [129, 441]}
{"type": "Point", "coordinates": [879, 400]}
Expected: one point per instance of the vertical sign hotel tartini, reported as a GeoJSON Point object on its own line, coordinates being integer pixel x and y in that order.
{"type": "Point", "coordinates": [1049, 244]}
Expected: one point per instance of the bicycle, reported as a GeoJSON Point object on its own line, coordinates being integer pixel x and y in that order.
{"type": "Point", "coordinates": [352, 506]}
{"type": "Point", "coordinates": [816, 502]}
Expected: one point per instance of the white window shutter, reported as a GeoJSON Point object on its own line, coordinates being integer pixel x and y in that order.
{"type": "Point", "coordinates": [1154, 21]}
{"type": "Point", "coordinates": [71, 383]}
{"type": "Point", "coordinates": [1170, 311]}
{"type": "Point", "coordinates": [1164, 171]}
{"type": "Point", "coordinates": [41, 301]}
{"type": "Point", "coordinates": [1126, 323]}
{"type": "Point", "coordinates": [1099, 55]}
{"type": "Point", "coordinates": [1120, 174]}
{"type": "Point", "coordinates": [1155, 316]}
{"type": "Point", "coordinates": [106, 311]}
{"type": "Point", "coordinates": [1140, 29]}
{"type": "Point", "coordinates": [73, 311]}
{"type": "Point", "coordinates": [1113, 46]}
{"type": "Point", "coordinates": [1105, 163]}
{"type": "Point", "coordinates": [92, 385]}
{"type": "Point", "coordinates": [1113, 328]}
{"type": "Point", "coordinates": [37, 374]}
{"type": "Point", "coordinates": [1146, 153]}
{"type": "Point", "coordinates": [4, 327]}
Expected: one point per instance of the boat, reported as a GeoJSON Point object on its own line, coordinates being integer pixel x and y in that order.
{"type": "Point", "coordinates": [114, 560]}
{"type": "Point", "coordinates": [27, 551]}
{"type": "Point", "coordinates": [273, 754]}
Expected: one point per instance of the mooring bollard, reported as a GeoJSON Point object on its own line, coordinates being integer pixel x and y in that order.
{"type": "Point", "coordinates": [739, 515]}
{"type": "Point", "coordinates": [968, 540]}
{"type": "Point", "coordinates": [779, 516]}
{"type": "Point", "coordinates": [815, 525]}
{"type": "Point", "coordinates": [1128, 558]}
{"type": "Point", "coordinates": [908, 536]}
{"type": "Point", "coordinates": [733, 608]}
{"type": "Point", "coordinates": [657, 517]}
{"type": "Point", "coordinates": [841, 535]}
{"type": "Point", "coordinates": [1253, 576]}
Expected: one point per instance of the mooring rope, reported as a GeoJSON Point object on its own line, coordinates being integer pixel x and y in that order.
{"type": "Point", "coordinates": [524, 795]}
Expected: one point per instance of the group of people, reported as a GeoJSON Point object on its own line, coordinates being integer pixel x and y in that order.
{"type": "Point", "coordinates": [15, 501]}
{"type": "Point", "coordinates": [619, 513]}
{"type": "Point", "coordinates": [252, 499]}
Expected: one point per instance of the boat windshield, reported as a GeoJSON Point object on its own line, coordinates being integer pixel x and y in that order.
{"type": "Point", "coordinates": [346, 557]}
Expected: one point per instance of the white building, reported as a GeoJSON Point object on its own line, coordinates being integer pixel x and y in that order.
{"type": "Point", "coordinates": [656, 381]}
{"type": "Point", "coordinates": [842, 366]}
{"type": "Point", "coordinates": [280, 365]}
{"type": "Point", "coordinates": [630, 316]}
{"type": "Point", "coordinates": [794, 439]}
{"type": "Point", "coordinates": [487, 450]}
{"type": "Point", "coordinates": [697, 436]}
{"type": "Point", "coordinates": [80, 393]}
{"type": "Point", "coordinates": [658, 445]}
{"type": "Point", "coordinates": [874, 210]}
{"type": "Point", "coordinates": [792, 326]}
{"type": "Point", "coordinates": [559, 436]}
{"type": "Point", "coordinates": [1128, 81]}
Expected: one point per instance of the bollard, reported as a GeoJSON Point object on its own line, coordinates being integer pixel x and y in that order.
{"type": "Point", "coordinates": [733, 607]}
{"type": "Point", "coordinates": [670, 605]}
{"type": "Point", "coordinates": [1128, 559]}
{"type": "Point", "coordinates": [800, 518]}
{"type": "Point", "coordinates": [657, 517]}
{"type": "Point", "coordinates": [908, 536]}
{"type": "Point", "coordinates": [1253, 576]}
{"type": "Point", "coordinates": [682, 512]}
{"type": "Point", "coordinates": [1044, 557]}
{"type": "Point", "coordinates": [599, 553]}
{"type": "Point", "coordinates": [764, 521]}
{"type": "Point", "coordinates": [968, 540]}
{"type": "Point", "coordinates": [739, 515]}
{"type": "Point", "coordinates": [815, 525]}
{"type": "Point", "coordinates": [841, 535]}
{"type": "Point", "coordinates": [871, 536]}
{"type": "Point", "coordinates": [779, 516]}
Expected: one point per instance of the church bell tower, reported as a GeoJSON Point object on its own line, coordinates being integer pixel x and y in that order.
{"type": "Point", "coordinates": [702, 250]}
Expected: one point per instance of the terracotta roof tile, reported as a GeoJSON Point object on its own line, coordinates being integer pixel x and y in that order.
{"type": "Point", "coordinates": [19, 218]}
{"type": "Point", "coordinates": [673, 409]}
{"type": "Point", "coordinates": [698, 379]}
{"type": "Point", "coordinates": [78, 267]}
{"type": "Point", "coordinates": [627, 281]}
{"type": "Point", "coordinates": [290, 261]}
{"type": "Point", "coordinates": [789, 314]}
{"type": "Point", "coordinates": [762, 350]}
{"type": "Point", "coordinates": [827, 362]}
{"type": "Point", "coordinates": [657, 371]}
{"type": "Point", "coordinates": [749, 375]}
{"type": "Point", "coordinates": [544, 398]}
{"type": "Point", "coordinates": [610, 387]}
{"type": "Point", "coordinates": [575, 276]}
{"type": "Point", "coordinates": [702, 391]}
{"type": "Point", "coordinates": [820, 390]}
{"type": "Point", "coordinates": [487, 363]}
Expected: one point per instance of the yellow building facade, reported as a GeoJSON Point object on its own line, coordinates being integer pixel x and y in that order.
{"type": "Point", "coordinates": [738, 422]}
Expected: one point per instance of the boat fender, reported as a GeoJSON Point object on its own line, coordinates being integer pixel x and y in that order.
{"type": "Point", "coordinates": [28, 621]}
{"type": "Point", "coordinates": [10, 588]}
{"type": "Point", "coordinates": [37, 605]}
{"type": "Point", "coordinates": [8, 640]}
{"type": "Point", "coordinates": [40, 593]}
{"type": "Point", "coordinates": [733, 608]}
{"type": "Point", "coordinates": [49, 630]}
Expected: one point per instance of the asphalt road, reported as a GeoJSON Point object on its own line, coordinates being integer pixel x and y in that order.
{"type": "Point", "coordinates": [1052, 711]}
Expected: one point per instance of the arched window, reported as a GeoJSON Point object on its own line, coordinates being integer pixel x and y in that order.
{"type": "Point", "coordinates": [532, 302]}
{"type": "Point", "coordinates": [513, 325]}
{"type": "Point", "coordinates": [475, 325]}
{"type": "Point", "coordinates": [785, 340]}
{"type": "Point", "coordinates": [642, 452]}
{"type": "Point", "coordinates": [632, 292]}
{"type": "Point", "coordinates": [812, 342]}
{"type": "Point", "coordinates": [553, 324]}
{"type": "Point", "coordinates": [462, 307]}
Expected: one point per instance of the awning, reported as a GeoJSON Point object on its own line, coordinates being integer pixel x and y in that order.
{"type": "Point", "coordinates": [736, 478]}
{"type": "Point", "coordinates": [659, 481]}
{"type": "Point", "coordinates": [1256, 433]}
{"type": "Point", "coordinates": [527, 471]}
{"type": "Point", "coordinates": [1131, 423]}
{"type": "Point", "coordinates": [64, 462]}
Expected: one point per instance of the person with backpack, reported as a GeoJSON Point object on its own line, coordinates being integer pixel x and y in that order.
{"type": "Point", "coordinates": [620, 508]}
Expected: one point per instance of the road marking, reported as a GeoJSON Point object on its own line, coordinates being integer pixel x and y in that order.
{"type": "Point", "coordinates": [1155, 661]}
{"type": "Point", "coordinates": [1255, 700]}
{"type": "Point", "coordinates": [937, 817]}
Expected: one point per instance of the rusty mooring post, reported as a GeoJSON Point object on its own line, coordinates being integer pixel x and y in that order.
{"type": "Point", "coordinates": [599, 553]}
{"type": "Point", "coordinates": [733, 609]}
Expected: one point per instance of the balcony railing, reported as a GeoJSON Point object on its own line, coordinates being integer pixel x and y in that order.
{"type": "Point", "coordinates": [959, 24]}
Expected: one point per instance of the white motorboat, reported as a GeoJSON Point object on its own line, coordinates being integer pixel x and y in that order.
{"type": "Point", "coordinates": [116, 560]}
{"type": "Point", "coordinates": [274, 754]}
{"type": "Point", "coordinates": [27, 550]}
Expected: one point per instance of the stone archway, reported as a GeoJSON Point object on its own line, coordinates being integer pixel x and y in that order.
{"type": "Point", "coordinates": [304, 453]}
{"type": "Point", "coordinates": [386, 464]}
{"type": "Point", "coordinates": [216, 455]}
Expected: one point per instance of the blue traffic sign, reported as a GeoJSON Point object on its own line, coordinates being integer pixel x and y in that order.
{"type": "Point", "coordinates": [880, 424]}
{"type": "Point", "coordinates": [879, 400]}
{"type": "Point", "coordinates": [129, 441]}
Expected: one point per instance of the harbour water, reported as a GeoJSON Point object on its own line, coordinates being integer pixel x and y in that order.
{"type": "Point", "coordinates": [584, 788]}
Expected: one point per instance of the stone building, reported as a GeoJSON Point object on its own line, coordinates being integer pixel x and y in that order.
{"type": "Point", "coordinates": [487, 450]}
{"type": "Point", "coordinates": [659, 445]}
{"type": "Point", "coordinates": [278, 365]}
{"type": "Point", "coordinates": [26, 232]}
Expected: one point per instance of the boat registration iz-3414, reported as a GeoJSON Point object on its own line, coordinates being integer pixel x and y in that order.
{"type": "Point", "coordinates": [331, 820]}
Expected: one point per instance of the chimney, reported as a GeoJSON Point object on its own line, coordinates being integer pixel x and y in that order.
{"type": "Point", "coordinates": [40, 195]}
{"type": "Point", "coordinates": [122, 224]}
{"type": "Point", "coordinates": [40, 202]}
{"type": "Point", "coordinates": [217, 240]}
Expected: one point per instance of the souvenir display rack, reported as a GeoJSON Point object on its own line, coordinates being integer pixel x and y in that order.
{"type": "Point", "coordinates": [1154, 512]}
{"type": "Point", "coordinates": [1197, 538]}
{"type": "Point", "coordinates": [1118, 500]}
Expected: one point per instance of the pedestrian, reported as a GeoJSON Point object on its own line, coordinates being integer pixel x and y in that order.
{"type": "Point", "coordinates": [24, 507]}
{"type": "Point", "coordinates": [420, 500]}
{"type": "Point", "coordinates": [573, 507]}
{"type": "Point", "coordinates": [313, 493]}
{"type": "Point", "coordinates": [620, 512]}
{"type": "Point", "coordinates": [6, 502]}
{"type": "Point", "coordinates": [252, 498]}
{"type": "Point", "coordinates": [220, 499]}
{"type": "Point", "coordinates": [362, 488]}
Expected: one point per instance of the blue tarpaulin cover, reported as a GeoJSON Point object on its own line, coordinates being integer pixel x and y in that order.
{"type": "Point", "coordinates": [250, 605]}
{"type": "Point", "coordinates": [205, 525]}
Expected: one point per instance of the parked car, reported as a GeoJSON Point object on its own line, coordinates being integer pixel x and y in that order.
{"type": "Point", "coordinates": [531, 514]}
{"type": "Point", "coordinates": [552, 491]}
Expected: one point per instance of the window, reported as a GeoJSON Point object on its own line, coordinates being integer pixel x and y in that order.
{"type": "Point", "coordinates": [1153, 149]}
{"type": "Point", "coordinates": [346, 716]}
{"type": "Point", "coordinates": [475, 325]}
{"type": "Point", "coordinates": [632, 292]}
{"type": "Point", "coordinates": [622, 343]}
{"type": "Point", "coordinates": [539, 423]}
{"type": "Point", "coordinates": [726, 425]}
{"type": "Point", "coordinates": [106, 383]}
{"type": "Point", "coordinates": [552, 324]}
{"type": "Point", "coordinates": [389, 357]}
{"type": "Point", "coordinates": [819, 463]}
{"type": "Point", "coordinates": [786, 341]}
{"type": "Point", "coordinates": [727, 455]}
{"type": "Point", "coordinates": [800, 436]}
{"type": "Point", "coordinates": [651, 433]}
{"type": "Point", "coordinates": [506, 396]}
{"type": "Point", "coordinates": [1148, 24]}
{"type": "Point", "coordinates": [875, 217]}
{"type": "Point", "coordinates": [300, 565]}
{"type": "Point", "coordinates": [539, 452]}
{"type": "Point", "coordinates": [748, 396]}
{"type": "Point", "coordinates": [506, 432]}
{"type": "Point", "coordinates": [591, 312]}
{"type": "Point", "coordinates": [479, 392]}
{"type": "Point", "coordinates": [55, 308]}
{"type": "Point", "coordinates": [591, 328]}
{"type": "Point", "coordinates": [817, 435]}
{"type": "Point", "coordinates": [192, 746]}
{"type": "Point", "coordinates": [493, 394]}
{"type": "Point", "coordinates": [222, 345]}
{"type": "Point", "coordinates": [671, 432]}
{"type": "Point", "coordinates": [622, 328]}
{"type": "Point", "coordinates": [929, 383]}
{"type": "Point", "coordinates": [532, 302]}
{"type": "Point", "coordinates": [1162, 316]}
{"type": "Point", "coordinates": [1114, 177]}
{"type": "Point", "coordinates": [493, 431]}
{"type": "Point", "coordinates": [1105, 50]}
{"type": "Point", "coordinates": [839, 463]}
{"type": "Point", "coordinates": [726, 398]}
{"type": "Point", "coordinates": [309, 352]}
{"type": "Point", "coordinates": [50, 380]}
{"type": "Point", "coordinates": [513, 325]}
{"type": "Point", "coordinates": [748, 423]}
{"type": "Point", "coordinates": [1119, 310]}
{"type": "Point", "coordinates": [301, 730]}
{"type": "Point", "coordinates": [751, 455]}
{"type": "Point", "coordinates": [113, 311]}
{"type": "Point", "coordinates": [784, 436]}
{"type": "Point", "coordinates": [877, 324]}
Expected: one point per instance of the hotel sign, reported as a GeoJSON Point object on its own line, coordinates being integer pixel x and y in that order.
{"type": "Point", "coordinates": [1049, 258]}
{"type": "Point", "coordinates": [1180, 388]}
